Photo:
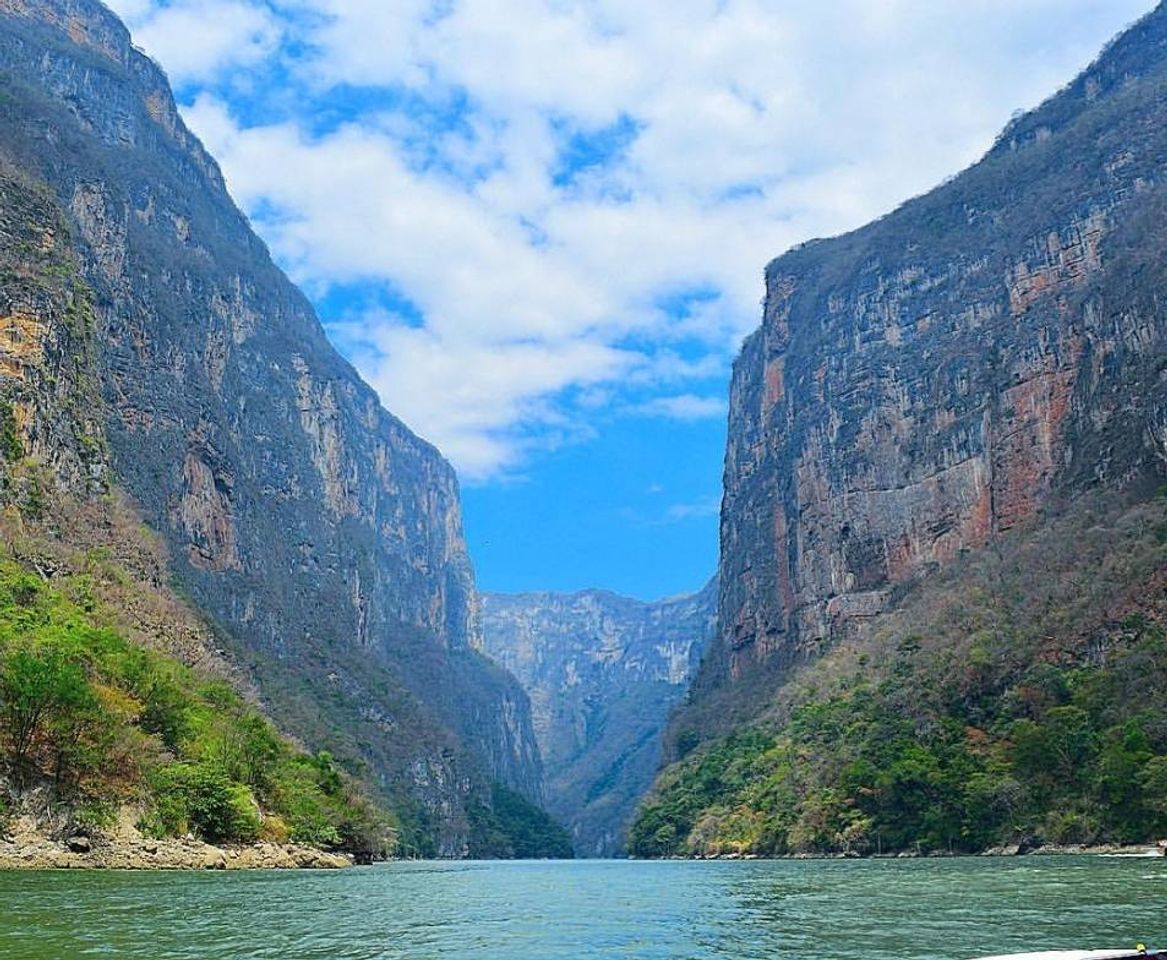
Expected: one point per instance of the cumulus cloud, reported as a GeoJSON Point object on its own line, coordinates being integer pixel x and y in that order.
{"type": "Point", "coordinates": [568, 205]}
{"type": "Point", "coordinates": [199, 39]}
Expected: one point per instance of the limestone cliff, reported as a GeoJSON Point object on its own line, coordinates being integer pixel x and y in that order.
{"type": "Point", "coordinates": [602, 672]}
{"type": "Point", "coordinates": [50, 407]}
{"type": "Point", "coordinates": [311, 526]}
{"type": "Point", "coordinates": [921, 385]}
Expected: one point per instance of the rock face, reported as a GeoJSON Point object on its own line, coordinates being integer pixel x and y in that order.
{"type": "Point", "coordinates": [602, 672]}
{"type": "Point", "coordinates": [50, 404]}
{"type": "Point", "coordinates": [944, 374]}
{"type": "Point", "coordinates": [311, 526]}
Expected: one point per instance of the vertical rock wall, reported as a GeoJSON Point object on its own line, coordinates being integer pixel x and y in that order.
{"type": "Point", "coordinates": [985, 352]}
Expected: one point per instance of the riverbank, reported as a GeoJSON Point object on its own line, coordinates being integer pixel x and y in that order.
{"type": "Point", "coordinates": [1102, 850]}
{"type": "Point", "coordinates": [164, 855]}
{"type": "Point", "coordinates": [30, 849]}
{"type": "Point", "coordinates": [1143, 850]}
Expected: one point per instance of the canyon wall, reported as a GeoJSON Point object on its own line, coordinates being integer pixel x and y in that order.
{"type": "Point", "coordinates": [319, 534]}
{"type": "Point", "coordinates": [603, 672]}
{"type": "Point", "coordinates": [987, 351]}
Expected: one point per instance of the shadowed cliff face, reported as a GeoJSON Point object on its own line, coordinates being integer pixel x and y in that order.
{"type": "Point", "coordinates": [944, 374]}
{"type": "Point", "coordinates": [320, 534]}
{"type": "Point", "coordinates": [602, 672]}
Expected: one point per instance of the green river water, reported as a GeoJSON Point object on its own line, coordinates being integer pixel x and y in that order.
{"type": "Point", "coordinates": [941, 909]}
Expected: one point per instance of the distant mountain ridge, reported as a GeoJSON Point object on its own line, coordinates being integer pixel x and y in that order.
{"type": "Point", "coordinates": [321, 535]}
{"type": "Point", "coordinates": [602, 671]}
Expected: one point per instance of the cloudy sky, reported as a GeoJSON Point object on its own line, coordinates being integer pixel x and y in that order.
{"type": "Point", "coordinates": [538, 227]}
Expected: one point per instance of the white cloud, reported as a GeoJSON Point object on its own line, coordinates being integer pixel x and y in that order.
{"type": "Point", "coordinates": [130, 10]}
{"type": "Point", "coordinates": [706, 507]}
{"type": "Point", "coordinates": [752, 125]}
{"type": "Point", "coordinates": [199, 39]}
{"type": "Point", "coordinates": [685, 406]}
{"type": "Point", "coordinates": [485, 400]}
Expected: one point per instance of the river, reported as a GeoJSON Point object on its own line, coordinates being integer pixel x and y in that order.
{"type": "Point", "coordinates": [907, 910]}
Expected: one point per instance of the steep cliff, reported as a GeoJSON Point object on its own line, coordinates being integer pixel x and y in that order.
{"type": "Point", "coordinates": [602, 672]}
{"type": "Point", "coordinates": [116, 705]}
{"type": "Point", "coordinates": [50, 404]}
{"type": "Point", "coordinates": [312, 527]}
{"type": "Point", "coordinates": [989, 350]}
{"type": "Point", "coordinates": [941, 619]}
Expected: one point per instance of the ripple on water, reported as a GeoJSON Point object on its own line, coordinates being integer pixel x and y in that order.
{"type": "Point", "coordinates": [888, 910]}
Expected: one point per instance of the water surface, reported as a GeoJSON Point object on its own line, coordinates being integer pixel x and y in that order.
{"type": "Point", "coordinates": [936, 909]}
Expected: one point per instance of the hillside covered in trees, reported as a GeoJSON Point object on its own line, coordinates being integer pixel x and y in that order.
{"type": "Point", "coordinates": [1017, 698]}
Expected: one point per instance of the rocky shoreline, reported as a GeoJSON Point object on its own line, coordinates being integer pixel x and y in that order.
{"type": "Point", "coordinates": [1101, 850]}
{"type": "Point", "coordinates": [100, 853]}
{"type": "Point", "coordinates": [1147, 850]}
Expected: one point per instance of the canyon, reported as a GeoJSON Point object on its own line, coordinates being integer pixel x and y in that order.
{"type": "Point", "coordinates": [932, 405]}
{"type": "Point", "coordinates": [602, 672]}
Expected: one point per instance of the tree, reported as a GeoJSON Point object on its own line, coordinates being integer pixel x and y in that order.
{"type": "Point", "coordinates": [42, 694]}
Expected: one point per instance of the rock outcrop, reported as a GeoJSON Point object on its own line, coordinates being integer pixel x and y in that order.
{"type": "Point", "coordinates": [314, 529]}
{"type": "Point", "coordinates": [989, 350]}
{"type": "Point", "coordinates": [602, 672]}
{"type": "Point", "coordinates": [27, 848]}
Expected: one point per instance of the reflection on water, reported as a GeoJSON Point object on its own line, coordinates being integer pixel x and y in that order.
{"type": "Point", "coordinates": [886, 910]}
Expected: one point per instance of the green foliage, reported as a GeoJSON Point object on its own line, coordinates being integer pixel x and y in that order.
{"type": "Point", "coordinates": [201, 799]}
{"type": "Point", "coordinates": [107, 722]}
{"type": "Point", "coordinates": [854, 772]}
{"type": "Point", "coordinates": [48, 714]}
{"type": "Point", "coordinates": [33, 504]}
{"type": "Point", "coordinates": [11, 446]}
{"type": "Point", "coordinates": [989, 729]}
{"type": "Point", "coordinates": [166, 710]}
{"type": "Point", "coordinates": [512, 827]}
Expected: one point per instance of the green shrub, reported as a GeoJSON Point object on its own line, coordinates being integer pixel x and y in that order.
{"type": "Point", "coordinates": [11, 446]}
{"type": "Point", "coordinates": [96, 815]}
{"type": "Point", "coordinates": [202, 800]}
{"type": "Point", "coordinates": [106, 722]}
{"type": "Point", "coordinates": [166, 708]}
{"type": "Point", "coordinates": [45, 701]}
{"type": "Point", "coordinates": [311, 816]}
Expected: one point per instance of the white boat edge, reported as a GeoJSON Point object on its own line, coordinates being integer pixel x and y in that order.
{"type": "Point", "coordinates": [1071, 955]}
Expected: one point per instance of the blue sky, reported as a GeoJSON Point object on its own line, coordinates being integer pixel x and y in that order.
{"type": "Point", "coordinates": [538, 227]}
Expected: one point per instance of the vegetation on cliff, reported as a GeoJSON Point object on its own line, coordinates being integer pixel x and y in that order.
{"type": "Point", "coordinates": [91, 722]}
{"type": "Point", "coordinates": [1014, 698]}
{"type": "Point", "coordinates": [514, 828]}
